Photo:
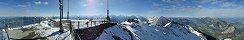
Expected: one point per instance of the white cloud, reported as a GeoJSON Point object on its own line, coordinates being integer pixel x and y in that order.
{"type": "Point", "coordinates": [173, 1]}
{"type": "Point", "coordinates": [200, 4]}
{"type": "Point", "coordinates": [41, 3]}
{"type": "Point", "coordinates": [38, 2]}
{"type": "Point", "coordinates": [23, 6]}
{"type": "Point", "coordinates": [198, 12]}
{"type": "Point", "coordinates": [45, 3]}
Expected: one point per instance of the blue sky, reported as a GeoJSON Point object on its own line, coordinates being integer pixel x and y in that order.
{"type": "Point", "coordinates": [175, 8]}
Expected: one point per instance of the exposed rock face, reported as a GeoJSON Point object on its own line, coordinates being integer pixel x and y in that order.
{"type": "Point", "coordinates": [162, 21]}
{"type": "Point", "coordinates": [229, 30]}
{"type": "Point", "coordinates": [180, 20]}
{"type": "Point", "coordinates": [152, 19]}
{"type": "Point", "coordinates": [216, 27]}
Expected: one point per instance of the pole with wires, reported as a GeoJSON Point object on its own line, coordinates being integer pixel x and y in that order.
{"type": "Point", "coordinates": [108, 18]}
{"type": "Point", "coordinates": [70, 22]}
{"type": "Point", "coordinates": [68, 10]}
{"type": "Point", "coordinates": [68, 17]}
{"type": "Point", "coordinates": [61, 29]}
{"type": "Point", "coordinates": [7, 31]}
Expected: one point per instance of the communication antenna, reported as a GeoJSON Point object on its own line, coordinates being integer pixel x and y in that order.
{"type": "Point", "coordinates": [61, 29]}
{"type": "Point", "coordinates": [108, 18]}
{"type": "Point", "coordinates": [68, 11]}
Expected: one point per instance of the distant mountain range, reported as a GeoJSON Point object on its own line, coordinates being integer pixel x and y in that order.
{"type": "Point", "coordinates": [220, 28]}
{"type": "Point", "coordinates": [217, 28]}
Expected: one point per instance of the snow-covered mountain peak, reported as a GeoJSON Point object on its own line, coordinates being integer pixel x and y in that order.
{"type": "Point", "coordinates": [163, 30]}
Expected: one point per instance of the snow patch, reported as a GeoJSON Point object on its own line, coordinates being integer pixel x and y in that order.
{"type": "Point", "coordinates": [166, 24]}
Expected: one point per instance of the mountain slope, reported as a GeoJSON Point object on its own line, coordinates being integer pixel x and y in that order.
{"type": "Point", "coordinates": [143, 31]}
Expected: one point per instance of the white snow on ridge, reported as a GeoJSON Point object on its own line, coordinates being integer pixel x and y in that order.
{"type": "Point", "coordinates": [197, 33]}
{"type": "Point", "coordinates": [108, 33]}
{"type": "Point", "coordinates": [165, 30]}
{"type": "Point", "coordinates": [146, 32]}
{"type": "Point", "coordinates": [38, 30]}
{"type": "Point", "coordinates": [166, 24]}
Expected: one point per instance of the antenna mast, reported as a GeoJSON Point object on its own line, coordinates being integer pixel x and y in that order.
{"type": "Point", "coordinates": [68, 11]}
{"type": "Point", "coordinates": [61, 16]}
{"type": "Point", "coordinates": [108, 18]}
